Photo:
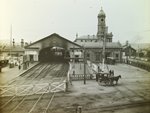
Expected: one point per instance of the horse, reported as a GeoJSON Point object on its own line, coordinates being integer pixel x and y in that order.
{"type": "Point", "coordinates": [115, 78]}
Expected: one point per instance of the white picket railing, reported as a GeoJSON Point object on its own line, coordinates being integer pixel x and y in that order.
{"type": "Point", "coordinates": [21, 90]}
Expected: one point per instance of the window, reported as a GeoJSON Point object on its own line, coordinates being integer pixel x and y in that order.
{"type": "Point", "coordinates": [97, 55]}
{"type": "Point", "coordinates": [117, 56]}
{"type": "Point", "coordinates": [88, 55]}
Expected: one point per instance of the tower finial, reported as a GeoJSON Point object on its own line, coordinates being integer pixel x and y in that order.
{"type": "Point", "coordinates": [101, 4]}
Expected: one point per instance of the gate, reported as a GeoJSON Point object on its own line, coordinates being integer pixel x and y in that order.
{"type": "Point", "coordinates": [57, 87]}
{"type": "Point", "coordinates": [7, 90]}
{"type": "Point", "coordinates": [22, 90]}
{"type": "Point", "coordinates": [41, 88]}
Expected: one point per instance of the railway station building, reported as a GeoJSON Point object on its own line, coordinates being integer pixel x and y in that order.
{"type": "Point", "coordinates": [52, 48]}
{"type": "Point", "coordinates": [94, 43]}
{"type": "Point", "coordinates": [56, 47]}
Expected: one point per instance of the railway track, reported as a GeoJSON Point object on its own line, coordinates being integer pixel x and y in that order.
{"type": "Point", "coordinates": [32, 70]}
{"type": "Point", "coordinates": [38, 73]}
{"type": "Point", "coordinates": [36, 76]}
{"type": "Point", "coordinates": [47, 72]}
{"type": "Point", "coordinates": [35, 108]}
{"type": "Point", "coordinates": [35, 104]}
{"type": "Point", "coordinates": [15, 102]}
{"type": "Point", "coordinates": [22, 76]}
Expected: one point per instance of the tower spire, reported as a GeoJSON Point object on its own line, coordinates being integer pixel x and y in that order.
{"type": "Point", "coordinates": [100, 3]}
{"type": "Point", "coordinates": [101, 24]}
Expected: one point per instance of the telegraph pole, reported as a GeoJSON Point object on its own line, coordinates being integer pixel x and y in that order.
{"type": "Point", "coordinates": [103, 53]}
{"type": "Point", "coordinates": [10, 41]}
{"type": "Point", "coordinates": [84, 65]}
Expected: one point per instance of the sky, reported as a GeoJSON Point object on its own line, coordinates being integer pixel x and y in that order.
{"type": "Point", "coordinates": [32, 20]}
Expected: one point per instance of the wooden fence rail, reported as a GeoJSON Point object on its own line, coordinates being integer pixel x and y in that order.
{"type": "Point", "coordinates": [21, 90]}
{"type": "Point", "coordinates": [74, 77]}
{"type": "Point", "coordinates": [141, 64]}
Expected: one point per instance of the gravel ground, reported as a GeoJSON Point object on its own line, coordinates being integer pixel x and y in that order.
{"type": "Point", "coordinates": [131, 95]}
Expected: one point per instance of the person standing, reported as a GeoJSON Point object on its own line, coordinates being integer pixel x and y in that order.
{"type": "Point", "coordinates": [19, 67]}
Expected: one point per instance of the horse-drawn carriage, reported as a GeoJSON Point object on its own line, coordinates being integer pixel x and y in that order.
{"type": "Point", "coordinates": [107, 78]}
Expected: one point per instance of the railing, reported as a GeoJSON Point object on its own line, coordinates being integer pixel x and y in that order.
{"type": "Point", "coordinates": [21, 90]}
{"type": "Point", "coordinates": [141, 64]}
{"type": "Point", "coordinates": [81, 77]}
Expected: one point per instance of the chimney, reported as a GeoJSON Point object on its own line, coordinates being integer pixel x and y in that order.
{"type": "Point", "coordinates": [93, 36]}
{"type": "Point", "coordinates": [22, 43]}
{"type": "Point", "coordinates": [127, 43]}
{"type": "Point", "coordinates": [26, 43]}
{"type": "Point", "coordinates": [13, 42]}
{"type": "Point", "coordinates": [76, 35]}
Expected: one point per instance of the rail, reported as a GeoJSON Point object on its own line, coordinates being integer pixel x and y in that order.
{"type": "Point", "coordinates": [141, 64]}
{"type": "Point", "coordinates": [81, 77]}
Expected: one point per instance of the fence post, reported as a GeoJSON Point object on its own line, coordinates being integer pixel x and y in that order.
{"type": "Point", "coordinates": [80, 109]}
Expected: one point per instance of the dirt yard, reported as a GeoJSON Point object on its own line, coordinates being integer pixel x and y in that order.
{"type": "Point", "coordinates": [131, 95]}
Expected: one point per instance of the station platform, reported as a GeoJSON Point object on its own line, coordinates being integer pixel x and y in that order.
{"type": "Point", "coordinates": [8, 74]}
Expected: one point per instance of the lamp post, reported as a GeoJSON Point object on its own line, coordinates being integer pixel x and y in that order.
{"type": "Point", "coordinates": [84, 60]}
{"type": "Point", "coordinates": [73, 58]}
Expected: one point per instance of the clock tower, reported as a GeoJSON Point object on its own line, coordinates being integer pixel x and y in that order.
{"type": "Point", "coordinates": [101, 25]}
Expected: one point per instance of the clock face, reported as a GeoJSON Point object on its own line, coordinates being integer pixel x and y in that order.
{"type": "Point", "coordinates": [102, 19]}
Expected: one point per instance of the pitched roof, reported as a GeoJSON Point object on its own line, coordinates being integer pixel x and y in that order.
{"type": "Point", "coordinates": [127, 47]}
{"type": "Point", "coordinates": [15, 49]}
{"type": "Point", "coordinates": [54, 34]}
{"type": "Point", "coordinates": [100, 44]}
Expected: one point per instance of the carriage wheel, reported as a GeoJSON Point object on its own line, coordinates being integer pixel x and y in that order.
{"type": "Point", "coordinates": [100, 83]}
{"type": "Point", "coordinates": [107, 82]}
